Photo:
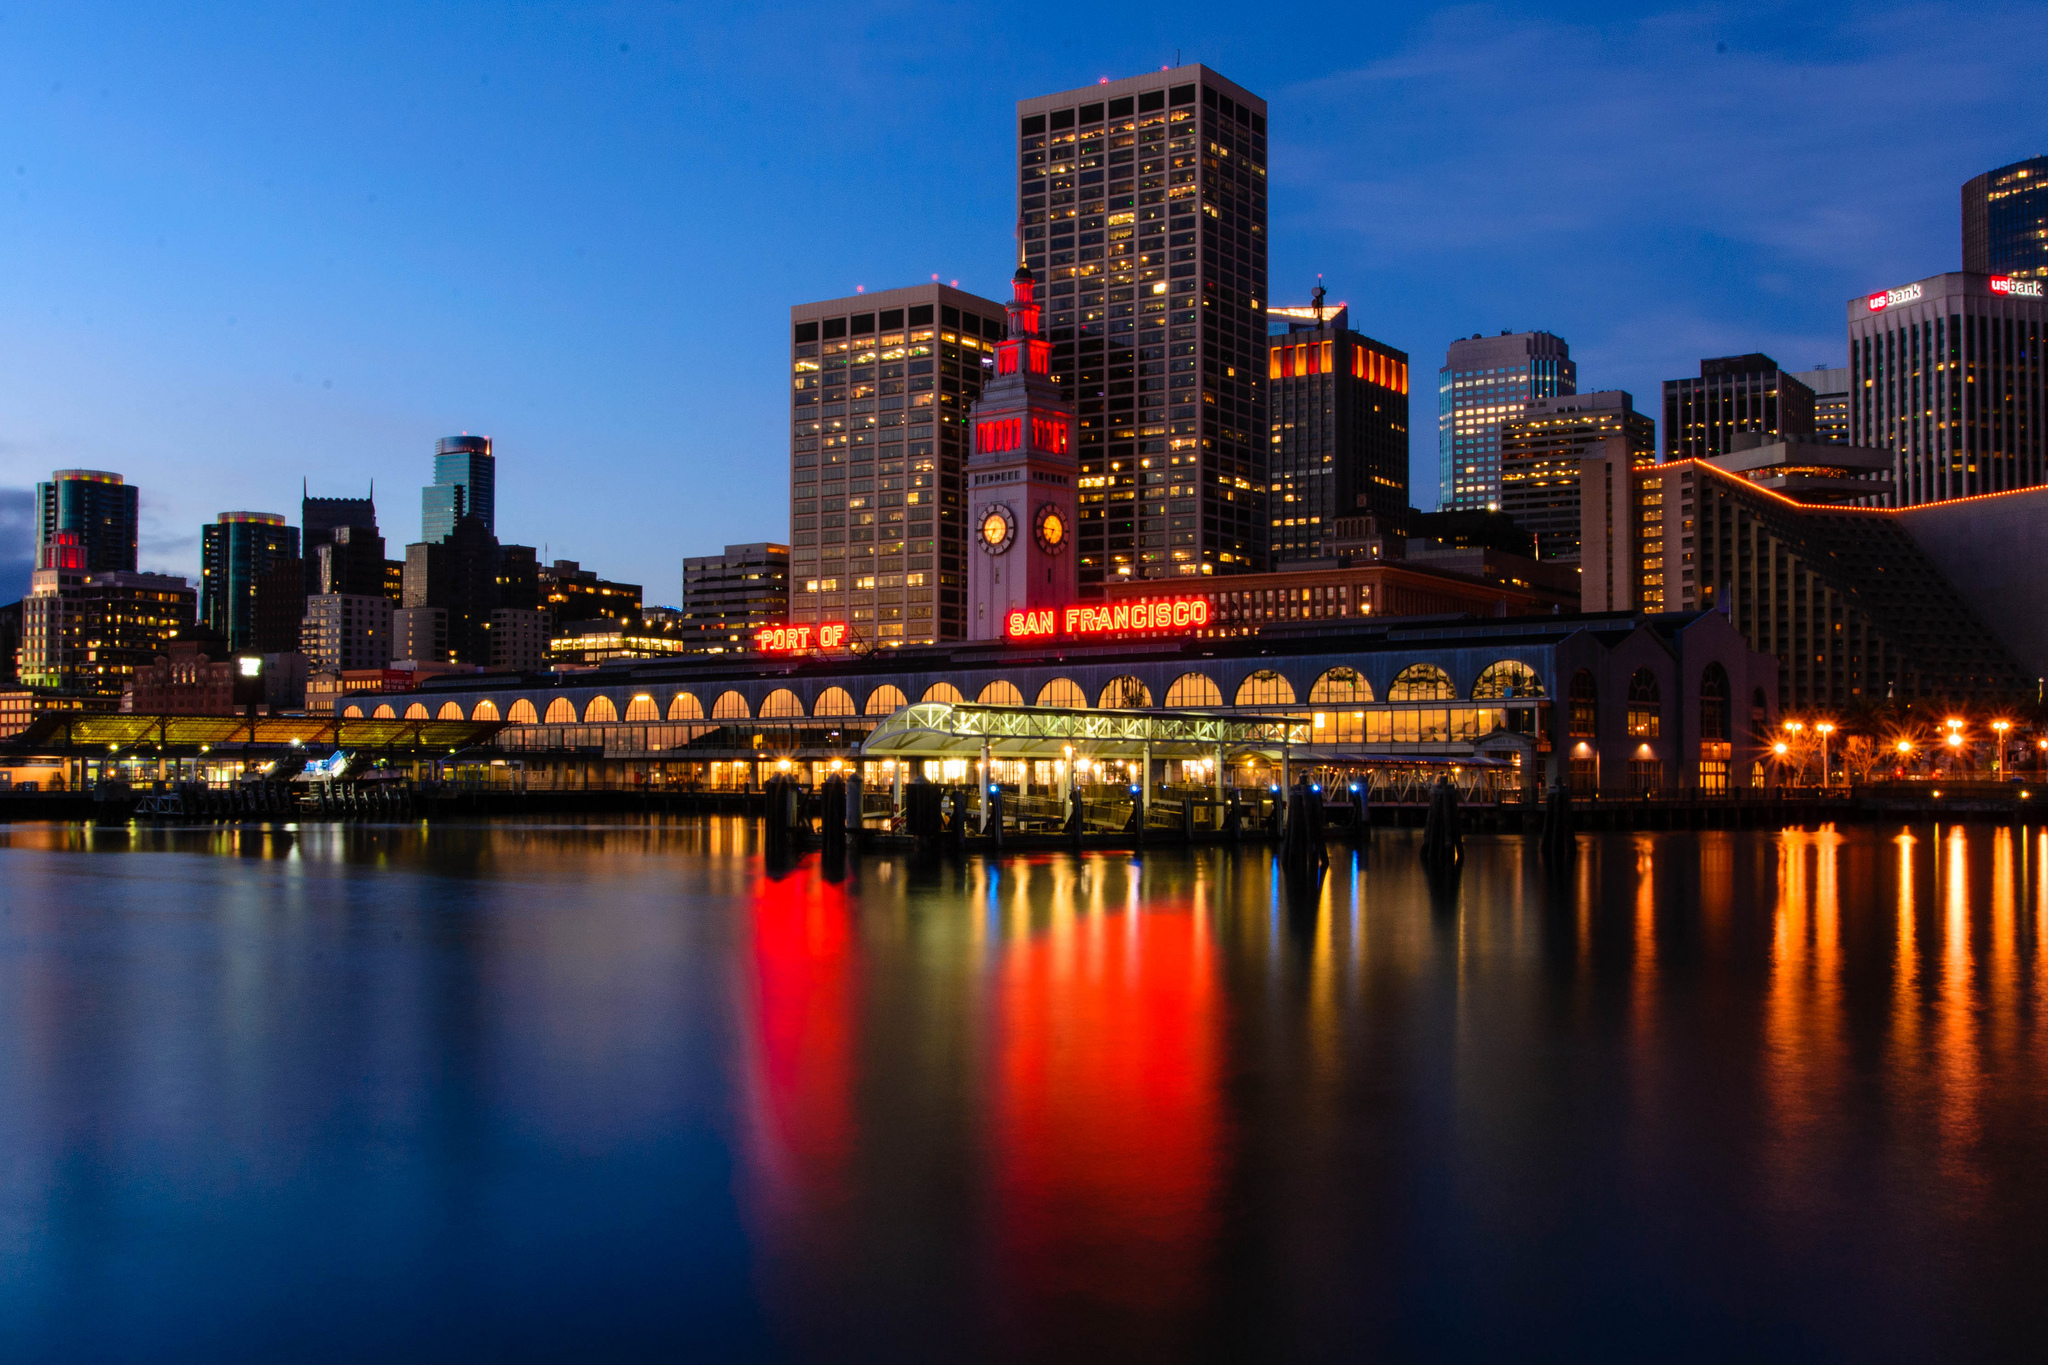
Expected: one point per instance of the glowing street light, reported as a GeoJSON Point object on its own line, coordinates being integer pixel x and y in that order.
{"type": "Point", "coordinates": [1998, 757]}
{"type": "Point", "coordinates": [1824, 729]}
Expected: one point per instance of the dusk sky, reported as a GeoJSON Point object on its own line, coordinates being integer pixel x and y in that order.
{"type": "Point", "coordinates": [248, 245]}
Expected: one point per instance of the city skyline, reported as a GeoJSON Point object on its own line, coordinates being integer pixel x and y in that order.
{"type": "Point", "coordinates": [205, 309]}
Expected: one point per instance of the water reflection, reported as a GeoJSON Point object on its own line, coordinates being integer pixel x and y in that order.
{"type": "Point", "coordinates": [610, 1090]}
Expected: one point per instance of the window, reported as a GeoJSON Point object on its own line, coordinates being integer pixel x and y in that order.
{"type": "Point", "coordinates": [561, 711]}
{"type": "Point", "coordinates": [685, 706]}
{"type": "Point", "coordinates": [1507, 680]}
{"type": "Point", "coordinates": [642, 708]}
{"type": "Point", "coordinates": [484, 710]}
{"type": "Point", "coordinates": [834, 701]}
{"type": "Point", "coordinates": [1000, 693]}
{"type": "Point", "coordinates": [1125, 693]}
{"type": "Point", "coordinates": [730, 706]}
{"type": "Point", "coordinates": [1062, 692]}
{"type": "Point", "coordinates": [943, 691]}
{"type": "Point", "coordinates": [782, 702]}
{"type": "Point", "coordinates": [1583, 722]}
{"type": "Point", "coordinates": [522, 713]}
{"type": "Point", "coordinates": [886, 700]}
{"type": "Point", "coordinates": [1714, 708]}
{"type": "Point", "coordinates": [1265, 688]}
{"type": "Point", "coordinates": [1645, 705]}
{"type": "Point", "coordinates": [1421, 682]}
{"type": "Point", "coordinates": [450, 710]}
{"type": "Point", "coordinates": [1194, 689]}
{"type": "Point", "coordinates": [600, 710]}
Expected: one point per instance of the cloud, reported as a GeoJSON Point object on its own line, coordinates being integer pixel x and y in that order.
{"type": "Point", "coordinates": [17, 541]}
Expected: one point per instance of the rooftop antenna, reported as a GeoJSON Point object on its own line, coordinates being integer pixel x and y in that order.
{"type": "Point", "coordinates": [1318, 297]}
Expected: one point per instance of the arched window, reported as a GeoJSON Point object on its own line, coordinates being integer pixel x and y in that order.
{"type": "Point", "coordinates": [782, 702]}
{"type": "Point", "coordinates": [885, 700]}
{"type": "Point", "coordinates": [1194, 689]}
{"type": "Point", "coordinates": [416, 711]}
{"type": "Point", "coordinates": [1421, 682]}
{"type": "Point", "coordinates": [1340, 687]}
{"type": "Point", "coordinates": [833, 701]}
{"type": "Point", "coordinates": [1125, 693]}
{"type": "Point", "coordinates": [730, 706]}
{"type": "Point", "coordinates": [600, 709]}
{"type": "Point", "coordinates": [1265, 688]}
{"type": "Point", "coordinates": [1584, 720]}
{"type": "Point", "coordinates": [943, 691]}
{"type": "Point", "coordinates": [1645, 705]}
{"type": "Point", "coordinates": [1714, 704]}
{"type": "Point", "coordinates": [1000, 693]}
{"type": "Point", "coordinates": [642, 707]}
{"type": "Point", "coordinates": [356, 712]}
{"type": "Point", "coordinates": [561, 711]}
{"type": "Point", "coordinates": [685, 706]}
{"type": "Point", "coordinates": [450, 710]}
{"type": "Point", "coordinates": [384, 712]}
{"type": "Point", "coordinates": [1063, 692]}
{"type": "Point", "coordinates": [484, 710]}
{"type": "Point", "coordinates": [522, 713]}
{"type": "Point", "coordinates": [1507, 680]}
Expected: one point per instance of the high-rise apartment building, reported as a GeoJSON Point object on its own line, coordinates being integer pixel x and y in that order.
{"type": "Point", "coordinates": [727, 597]}
{"type": "Point", "coordinates": [2005, 221]}
{"type": "Point", "coordinates": [1948, 373]}
{"type": "Point", "coordinates": [346, 630]}
{"type": "Point", "coordinates": [98, 508]}
{"type": "Point", "coordinates": [1830, 404]}
{"type": "Point", "coordinates": [1541, 452]}
{"type": "Point", "coordinates": [1746, 394]}
{"type": "Point", "coordinates": [90, 632]}
{"type": "Point", "coordinates": [1339, 419]}
{"type": "Point", "coordinates": [878, 409]}
{"type": "Point", "coordinates": [236, 550]}
{"type": "Point", "coordinates": [1484, 382]}
{"type": "Point", "coordinates": [1142, 204]}
{"type": "Point", "coordinates": [465, 485]}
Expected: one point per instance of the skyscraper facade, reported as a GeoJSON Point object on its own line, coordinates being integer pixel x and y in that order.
{"type": "Point", "coordinates": [1830, 403]}
{"type": "Point", "coordinates": [236, 550]}
{"type": "Point", "coordinates": [1142, 209]}
{"type": "Point", "coordinates": [1746, 394]}
{"type": "Point", "coordinates": [1541, 452]}
{"type": "Point", "coordinates": [1339, 443]}
{"type": "Point", "coordinates": [320, 519]}
{"type": "Point", "coordinates": [2005, 221]}
{"type": "Point", "coordinates": [727, 597]}
{"type": "Point", "coordinates": [880, 388]}
{"type": "Point", "coordinates": [98, 508]}
{"type": "Point", "coordinates": [465, 485]}
{"type": "Point", "coordinates": [1484, 382]}
{"type": "Point", "coordinates": [1948, 373]}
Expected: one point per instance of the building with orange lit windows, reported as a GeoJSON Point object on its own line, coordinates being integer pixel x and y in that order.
{"type": "Point", "coordinates": [879, 392]}
{"type": "Point", "coordinates": [1339, 446]}
{"type": "Point", "coordinates": [1542, 449]}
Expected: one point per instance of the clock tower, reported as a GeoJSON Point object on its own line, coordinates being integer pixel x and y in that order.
{"type": "Point", "coordinates": [1021, 472]}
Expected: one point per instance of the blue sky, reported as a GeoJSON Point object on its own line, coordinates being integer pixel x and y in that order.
{"type": "Point", "coordinates": [244, 245]}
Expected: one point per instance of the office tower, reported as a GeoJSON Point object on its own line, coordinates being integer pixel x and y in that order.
{"type": "Point", "coordinates": [1020, 482]}
{"type": "Point", "coordinates": [420, 635]}
{"type": "Point", "coordinates": [466, 576]}
{"type": "Point", "coordinates": [1542, 449]}
{"type": "Point", "coordinates": [465, 485]}
{"type": "Point", "coordinates": [1339, 419]}
{"type": "Point", "coordinates": [351, 561]}
{"type": "Point", "coordinates": [878, 410]}
{"type": "Point", "coordinates": [1142, 204]}
{"type": "Point", "coordinates": [2005, 221]}
{"type": "Point", "coordinates": [1830, 403]}
{"type": "Point", "coordinates": [1484, 382]}
{"type": "Point", "coordinates": [519, 638]}
{"type": "Point", "coordinates": [1947, 373]}
{"type": "Point", "coordinates": [1737, 393]}
{"type": "Point", "coordinates": [346, 630]}
{"type": "Point", "coordinates": [320, 519]}
{"type": "Point", "coordinates": [234, 551]}
{"type": "Point", "coordinates": [280, 607]}
{"type": "Point", "coordinates": [727, 597]}
{"type": "Point", "coordinates": [96, 506]}
{"type": "Point", "coordinates": [572, 593]}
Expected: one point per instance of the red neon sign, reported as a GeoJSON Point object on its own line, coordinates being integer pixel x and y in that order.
{"type": "Point", "coordinates": [1158, 615]}
{"type": "Point", "coordinates": [2019, 289]}
{"type": "Point", "coordinates": [998, 435]}
{"type": "Point", "coordinates": [796, 639]}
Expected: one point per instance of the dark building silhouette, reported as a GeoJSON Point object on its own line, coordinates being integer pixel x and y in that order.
{"type": "Point", "coordinates": [1733, 394]}
{"type": "Point", "coordinates": [236, 550]}
{"type": "Point", "coordinates": [468, 575]}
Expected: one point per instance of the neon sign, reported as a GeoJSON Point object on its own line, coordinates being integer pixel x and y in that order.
{"type": "Point", "coordinates": [796, 639]}
{"type": "Point", "coordinates": [1157, 615]}
{"type": "Point", "coordinates": [2019, 289]}
{"type": "Point", "coordinates": [1887, 298]}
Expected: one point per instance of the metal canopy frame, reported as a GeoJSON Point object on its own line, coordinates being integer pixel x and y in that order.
{"type": "Point", "coordinates": [942, 729]}
{"type": "Point", "coordinates": [96, 735]}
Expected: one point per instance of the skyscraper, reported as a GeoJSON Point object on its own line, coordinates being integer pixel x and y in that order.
{"type": "Point", "coordinates": [1748, 394]}
{"type": "Point", "coordinates": [465, 485]}
{"type": "Point", "coordinates": [878, 407]}
{"type": "Point", "coordinates": [320, 519]}
{"type": "Point", "coordinates": [727, 597]}
{"type": "Point", "coordinates": [1830, 403]}
{"type": "Point", "coordinates": [235, 551]}
{"type": "Point", "coordinates": [96, 506]}
{"type": "Point", "coordinates": [2005, 221]}
{"type": "Point", "coordinates": [1542, 449]}
{"type": "Point", "coordinates": [1948, 373]}
{"type": "Point", "coordinates": [1484, 382]}
{"type": "Point", "coordinates": [1142, 204]}
{"type": "Point", "coordinates": [1339, 443]}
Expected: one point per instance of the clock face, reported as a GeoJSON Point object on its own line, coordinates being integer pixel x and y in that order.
{"type": "Point", "coordinates": [1051, 529]}
{"type": "Point", "coordinates": [997, 529]}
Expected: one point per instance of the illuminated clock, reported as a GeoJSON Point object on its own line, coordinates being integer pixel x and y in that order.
{"type": "Point", "coordinates": [998, 528]}
{"type": "Point", "coordinates": [1049, 527]}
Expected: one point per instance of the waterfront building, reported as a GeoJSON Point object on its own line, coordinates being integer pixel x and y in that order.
{"type": "Point", "coordinates": [344, 631]}
{"type": "Point", "coordinates": [1249, 604]}
{"type": "Point", "coordinates": [1339, 421]}
{"type": "Point", "coordinates": [1733, 394]}
{"type": "Point", "coordinates": [1847, 599]}
{"type": "Point", "coordinates": [1830, 403]}
{"type": "Point", "coordinates": [1542, 449]}
{"type": "Point", "coordinates": [1947, 373]}
{"type": "Point", "coordinates": [594, 642]}
{"type": "Point", "coordinates": [1486, 381]}
{"type": "Point", "coordinates": [2005, 221]}
{"type": "Point", "coordinates": [1142, 208]}
{"type": "Point", "coordinates": [573, 595]}
{"type": "Point", "coordinates": [878, 411]}
{"type": "Point", "coordinates": [98, 508]}
{"type": "Point", "coordinates": [465, 485]}
{"type": "Point", "coordinates": [236, 550]}
{"type": "Point", "coordinates": [726, 598]}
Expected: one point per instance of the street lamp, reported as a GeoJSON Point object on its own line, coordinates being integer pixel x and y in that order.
{"type": "Point", "coordinates": [1824, 729]}
{"type": "Point", "coordinates": [1795, 728]}
{"type": "Point", "coordinates": [1998, 758]}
